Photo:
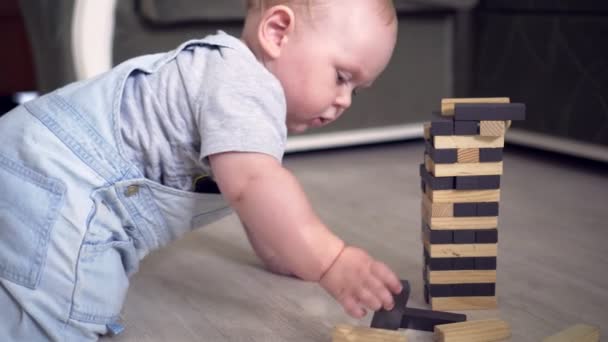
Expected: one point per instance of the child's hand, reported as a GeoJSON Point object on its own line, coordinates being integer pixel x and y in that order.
{"type": "Point", "coordinates": [359, 282]}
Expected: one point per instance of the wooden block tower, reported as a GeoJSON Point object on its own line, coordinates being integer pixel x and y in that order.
{"type": "Point", "coordinates": [461, 192]}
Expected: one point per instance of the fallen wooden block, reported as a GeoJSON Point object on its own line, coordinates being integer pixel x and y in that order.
{"type": "Point", "coordinates": [391, 319]}
{"type": "Point", "coordinates": [576, 333]}
{"type": "Point", "coordinates": [347, 333]}
{"type": "Point", "coordinates": [473, 331]}
{"type": "Point", "coordinates": [426, 320]}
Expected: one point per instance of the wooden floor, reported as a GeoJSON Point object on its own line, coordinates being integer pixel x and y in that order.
{"type": "Point", "coordinates": [552, 263]}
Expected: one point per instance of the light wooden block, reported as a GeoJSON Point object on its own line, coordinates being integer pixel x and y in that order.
{"type": "Point", "coordinates": [461, 250]}
{"type": "Point", "coordinates": [464, 303]}
{"type": "Point", "coordinates": [467, 141]}
{"type": "Point", "coordinates": [347, 333]}
{"type": "Point", "coordinates": [462, 223]}
{"type": "Point", "coordinates": [463, 196]}
{"type": "Point", "coordinates": [473, 331]}
{"type": "Point", "coordinates": [468, 155]}
{"type": "Point", "coordinates": [427, 131]}
{"type": "Point", "coordinates": [437, 209]}
{"type": "Point", "coordinates": [576, 333]}
{"type": "Point", "coordinates": [462, 276]}
{"type": "Point", "coordinates": [448, 105]}
{"type": "Point", "coordinates": [441, 220]}
{"type": "Point", "coordinates": [492, 128]}
{"type": "Point", "coordinates": [467, 169]}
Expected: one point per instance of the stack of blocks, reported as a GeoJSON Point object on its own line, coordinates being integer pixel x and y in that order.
{"type": "Point", "coordinates": [461, 192]}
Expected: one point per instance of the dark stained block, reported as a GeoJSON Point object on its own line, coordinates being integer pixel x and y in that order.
{"type": "Point", "coordinates": [437, 264]}
{"type": "Point", "coordinates": [490, 154]}
{"type": "Point", "coordinates": [466, 182]}
{"type": "Point", "coordinates": [437, 183]}
{"type": "Point", "coordinates": [466, 127]}
{"type": "Point", "coordinates": [462, 290]}
{"type": "Point", "coordinates": [464, 236]}
{"type": "Point", "coordinates": [486, 236]}
{"type": "Point", "coordinates": [465, 209]}
{"type": "Point", "coordinates": [442, 155]}
{"type": "Point", "coordinates": [440, 290]}
{"type": "Point", "coordinates": [477, 182]}
{"type": "Point", "coordinates": [427, 297]}
{"type": "Point", "coordinates": [487, 289]}
{"type": "Point", "coordinates": [391, 319]}
{"type": "Point", "coordinates": [426, 320]}
{"type": "Point", "coordinates": [438, 236]}
{"type": "Point", "coordinates": [485, 263]}
{"type": "Point", "coordinates": [489, 111]}
{"type": "Point", "coordinates": [423, 186]}
{"type": "Point", "coordinates": [489, 182]}
{"type": "Point", "coordinates": [442, 125]}
{"type": "Point", "coordinates": [487, 209]}
{"type": "Point", "coordinates": [463, 263]}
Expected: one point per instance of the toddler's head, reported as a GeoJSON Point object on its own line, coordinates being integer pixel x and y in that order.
{"type": "Point", "coordinates": [322, 51]}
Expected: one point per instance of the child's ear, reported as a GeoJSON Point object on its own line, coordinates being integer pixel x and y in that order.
{"type": "Point", "coordinates": [276, 25]}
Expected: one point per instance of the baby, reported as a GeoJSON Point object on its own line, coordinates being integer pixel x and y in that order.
{"type": "Point", "coordinates": [97, 174]}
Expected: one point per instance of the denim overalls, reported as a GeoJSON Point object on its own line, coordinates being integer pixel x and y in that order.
{"type": "Point", "coordinates": [76, 217]}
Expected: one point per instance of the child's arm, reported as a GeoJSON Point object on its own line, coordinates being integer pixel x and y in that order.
{"type": "Point", "coordinates": [272, 204]}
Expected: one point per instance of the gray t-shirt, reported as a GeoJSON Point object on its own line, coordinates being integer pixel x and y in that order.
{"type": "Point", "coordinates": [213, 97]}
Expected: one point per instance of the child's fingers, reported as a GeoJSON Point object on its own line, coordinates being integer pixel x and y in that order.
{"type": "Point", "coordinates": [387, 276]}
{"type": "Point", "coordinates": [369, 300]}
{"type": "Point", "coordinates": [352, 307]}
{"type": "Point", "coordinates": [381, 292]}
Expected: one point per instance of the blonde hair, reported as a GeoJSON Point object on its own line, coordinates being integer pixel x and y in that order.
{"type": "Point", "coordinates": [388, 8]}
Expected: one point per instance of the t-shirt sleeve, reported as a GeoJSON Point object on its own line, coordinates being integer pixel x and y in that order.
{"type": "Point", "coordinates": [241, 107]}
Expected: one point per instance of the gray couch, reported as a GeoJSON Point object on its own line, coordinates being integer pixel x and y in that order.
{"type": "Point", "coordinates": [431, 59]}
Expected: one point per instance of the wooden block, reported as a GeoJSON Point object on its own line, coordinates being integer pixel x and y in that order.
{"type": "Point", "coordinates": [476, 182]}
{"type": "Point", "coordinates": [484, 111]}
{"type": "Point", "coordinates": [473, 331]}
{"type": "Point", "coordinates": [426, 320]}
{"type": "Point", "coordinates": [447, 105]}
{"type": "Point", "coordinates": [485, 263]}
{"type": "Point", "coordinates": [492, 128]}
{"type": "Point", "coordinates": [453, 290]}
{"type": "Point", "coordinates": [487, 209]}
{"type": "Point", "coordinates": [468, 141]}
{"type": "Point", "coordinates": [391, 319]}
{"type": "Point", "coordinates": [464, 303]}
{"type": "Point", "coordinates": [436, 183]}
{"type": "Point", "coordinates": [460, 223]}
{"type": "Point", "coordinates": [461, 250]}
{"type": "Point", "coordinates": [490, 154]}
{"type": "Point", "coordinates": [463, 236]}
{"type": "Point", "coordinates": [578, 333]}
{"type": "Point", "coordinates": [466, 127]}
{"type": "Point", "coordinates": [486, 236]}
{"type": "Point", "coordinates": [464, 196]}
{"type": "Point", "coordinates": [427, 130]}
{"type": "Point", "coordinates": [442, 125]}
{"type": "Point", "coordinates": [465, 209]}
{"type": "Point", "coordinates": [441, 156]}
{"type": "Point", "coordinates": [468, 155]}
{"type": "Point", "coordinates": [348, 333]}
{"type": "Point", "coordinates": [463, 169]}
{"type": "Point", "coordinates": [437, 209]}
{"type": "Point", "coordinates": [438, 236]}
{"type": "Point", "coordinates": [462, 277]}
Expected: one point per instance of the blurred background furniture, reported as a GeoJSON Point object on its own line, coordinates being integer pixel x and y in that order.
{"type": "Point", "coordinates": [16, 65]}
{"type": "Point", "coordinates": [548, 54]}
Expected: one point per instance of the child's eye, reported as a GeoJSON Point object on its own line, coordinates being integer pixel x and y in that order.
{"type": "Point", "coordinates": [340, 78]}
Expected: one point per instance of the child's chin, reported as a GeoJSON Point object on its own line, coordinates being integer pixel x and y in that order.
{"type": "Point", "coordinates": [296, 129]}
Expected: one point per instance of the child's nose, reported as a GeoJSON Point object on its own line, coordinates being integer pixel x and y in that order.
{"type": "Point", "coordinates": [344, 99]}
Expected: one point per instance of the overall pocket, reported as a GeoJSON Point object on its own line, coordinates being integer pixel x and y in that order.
{"type": "Point", "coordinates": [29, 206]}
{"type": "Point", "coordinates": [107, 258]}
